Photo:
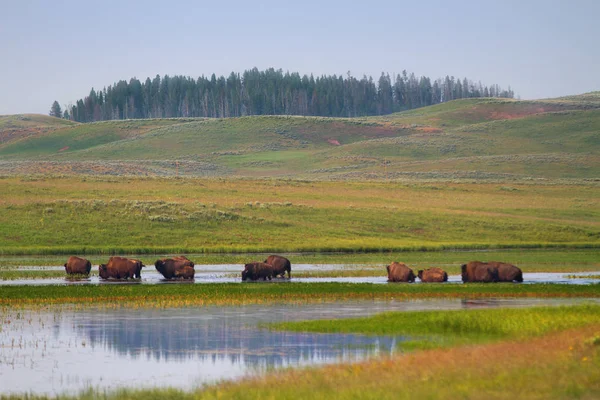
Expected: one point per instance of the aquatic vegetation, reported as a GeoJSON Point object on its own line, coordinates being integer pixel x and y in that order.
{"type": "Point", "coordinates": [558, 365]}
{"type": "Point", "coordinates": [435, 328]}
{"type": "Point", "coordinates": [181, 295]}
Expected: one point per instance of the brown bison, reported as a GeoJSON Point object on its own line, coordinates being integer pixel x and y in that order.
{"type": "Point", "coordinates": [399, 272]}
{"type": "Point", "coordinates": [78, 265]}
{"type": "Point", "coordinates": [121, 268]}
{"type": "Point", "coordinates": [477, 271]}
{"type": "Point", "coordinates": [280, 266]}
{"type": "Point", "coordinates": [507, 272]}
{"type": "Point", "coordinates": [257, 270]}
{"type": "Point", "coordinates": [177, 267]}
{"type": "Point", "coordinates": [433, 275]}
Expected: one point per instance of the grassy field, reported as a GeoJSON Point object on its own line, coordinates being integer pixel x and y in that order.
{"type": "Point", "coordinates": [182, 295]}
{"type": "Point", "coordinates": [555, 355]}
{"type": "Point", "coordinates": [155, 216]}
{"type": "Point", "coordinates": [482, 139]}
{"type": "Point", "coordinates": [429, 329]}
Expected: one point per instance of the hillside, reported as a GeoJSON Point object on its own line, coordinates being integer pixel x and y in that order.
{"type": "Point", "coordinates": [469, 138]}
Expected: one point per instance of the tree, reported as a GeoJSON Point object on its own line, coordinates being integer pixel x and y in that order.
{"type": "Point", "coordinates": [55, 110]}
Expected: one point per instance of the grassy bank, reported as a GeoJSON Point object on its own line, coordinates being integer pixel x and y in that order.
{"type": "Point", "coordinates": [443, 328]}
{"type": "Point", "coordinates": [155, 216]}
{"type": "Point", "coordinates": [257, 293]}
{"type": "Point", "coordinates": [555, 356]}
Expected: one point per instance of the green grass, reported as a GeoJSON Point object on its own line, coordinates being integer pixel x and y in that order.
{"type": "Point", "coordinates": [285, 292]}
{"type": "Point", "coordinates": [563, 363]}
{"type": "Point", "coordinates": [6, 275]}
{"type": "Point", "coordinates": [443, 328]}
{"type": "Point", "coordinates": [497, 139]}
{"type": "Point", "coordinates": [157, 216]}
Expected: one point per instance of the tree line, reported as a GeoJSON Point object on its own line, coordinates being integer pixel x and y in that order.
{"type": "Point", "coordinates": [270, 92]}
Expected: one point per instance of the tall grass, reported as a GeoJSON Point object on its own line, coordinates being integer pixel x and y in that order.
{"type": "Point", "coordinates": [64, 216]}
{"type": "Point", "coordinates": [258, 293]}
{"type": "Point", "coordinates": [463, 325]}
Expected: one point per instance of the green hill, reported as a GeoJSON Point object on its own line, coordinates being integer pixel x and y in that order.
{"type": "Point", "coordinates": [470, 138]}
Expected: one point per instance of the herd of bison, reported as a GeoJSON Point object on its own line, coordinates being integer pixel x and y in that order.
{"type": "Point", "coordinates": [181, 267]}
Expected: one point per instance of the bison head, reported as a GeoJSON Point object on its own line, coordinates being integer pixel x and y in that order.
{"type": "Point", "coordinates": [102, 271]}
{"type": "Point", "coordinates": [463, 272]}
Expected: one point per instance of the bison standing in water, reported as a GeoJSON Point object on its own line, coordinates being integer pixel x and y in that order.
{"type": "Point", "coordinates": [477, 271]}
{"type": "Point", "coordinates": [78, 265]}
{"type": "Point", "coordinates": [433, 275]}
{"type": "Point", "coordinates": [176, 267]}
{"type": "Point", "coordinates": [121, 268]}
{"type": "Point", "coordinates": [257, 270]}
{"type": "Point", "coordinates": [507, 272]}
{"type": "Point", "coordinates": [280, 266]}
{"type": "Point", "coordinates": [399, 272]}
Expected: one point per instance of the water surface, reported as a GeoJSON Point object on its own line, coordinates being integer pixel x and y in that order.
{"type": "Point", "coordinates": [61, 350]}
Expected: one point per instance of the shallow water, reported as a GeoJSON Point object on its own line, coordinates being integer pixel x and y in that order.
{"type": "Point", "coordinates": [223, 273]}
{"type": "Point", "coordinates": [61, 350]}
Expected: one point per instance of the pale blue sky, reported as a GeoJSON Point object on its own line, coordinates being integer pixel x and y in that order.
{"type": "Point", "coordinates": [60, 49]}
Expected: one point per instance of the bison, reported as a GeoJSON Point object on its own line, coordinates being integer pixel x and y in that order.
{"type": "Point", "coordinates": [280, 266]}
{"type": "Point", "coordinates": [78, 265]}
{"type": "Point", "coordinates": [257, 270]}
{"type": "Point", "coordinates": [121, 268]}
{"type": "Point", "coordinates": [177, 267]}
{"type": "Point", "coordinates": [433, 275]}
{"type": "Point", "coordinates": [477, 271]}
{"type": "Point", "coordinates": [399, 272]}
{"type": "Point", "coordinates": [507, 272]}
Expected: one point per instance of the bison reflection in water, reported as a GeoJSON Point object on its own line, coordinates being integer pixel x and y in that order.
{"type": "Point", "coordinates": [280, 266]}
{"type": "Point", "coordinates": [121, 268]}
{"type": "Point", "coordinates": [257, 270]}
{"type": "Point", "coordinates": [433, 275]}
{"type": "Point", "coordinates": [179, 267]}
{"type": "Point", "coordinates": [78, 266]}
{"type": "Point", "coordinates": [399, 272]}
{"type": "Point", "coordinates": [493, 271]}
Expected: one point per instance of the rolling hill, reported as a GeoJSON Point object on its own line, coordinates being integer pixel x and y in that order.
{"type": "Point", "coordinates": [469, 138]}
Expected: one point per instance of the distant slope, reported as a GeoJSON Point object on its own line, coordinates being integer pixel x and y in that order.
{"type": "Point", "coordinates": [16, 127]}
{"type": "Point", "coordinates": [471, 138]}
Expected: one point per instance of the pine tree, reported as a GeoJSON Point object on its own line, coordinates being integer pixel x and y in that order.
{"type": "Point", "coordinates": [55, 110]}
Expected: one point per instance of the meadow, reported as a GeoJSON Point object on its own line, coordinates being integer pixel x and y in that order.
{"type": "Point", "coordinates": [484, 179]}
{"type": "Point", "coordinates": [469, 139]}
{"type": "Point", "coordinates": [80, 215]}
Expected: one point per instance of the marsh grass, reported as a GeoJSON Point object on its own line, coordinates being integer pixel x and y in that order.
{"type": "Point", "coordinates": [562, 364]}
{"type": "Point", "coordinates": [442, 328]}
{"type": "Point", "coordinates": [39, 274]}
{"type": "Point", "coordinates": [134, 296]}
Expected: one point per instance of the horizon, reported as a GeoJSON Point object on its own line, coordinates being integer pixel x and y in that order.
{"type": "Point", "coordinates": [545, 50]}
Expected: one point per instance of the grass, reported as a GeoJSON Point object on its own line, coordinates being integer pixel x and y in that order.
{"type": "Point", "coordinates": [482, 139]}
{"type": "Point", "coordinates": [6, 275]}
{"type": "Point", "coordinates": [583, 276]}
{"type": "Point", "coordinates": [564, 363]}
{"type": "Point", "coordinates": [258, 293]}
{"type": "Point", "coordinates": [444, 328]}
{"type": "Point", "coordinates": [80, 215]}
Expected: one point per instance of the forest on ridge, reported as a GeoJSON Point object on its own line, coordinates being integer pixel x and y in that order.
{"type": "Point", "coordinates": [270, 92]}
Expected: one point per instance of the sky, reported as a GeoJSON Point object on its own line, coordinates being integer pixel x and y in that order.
{"type": "Point", "coordinates": [59, 50]}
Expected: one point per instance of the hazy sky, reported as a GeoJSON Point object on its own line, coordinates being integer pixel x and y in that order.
{"type": "Point", "coordinates": [60, 49]}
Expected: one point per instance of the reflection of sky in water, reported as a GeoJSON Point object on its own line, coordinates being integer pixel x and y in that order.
{"type": "Point", "coordinates": [67, 351]}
